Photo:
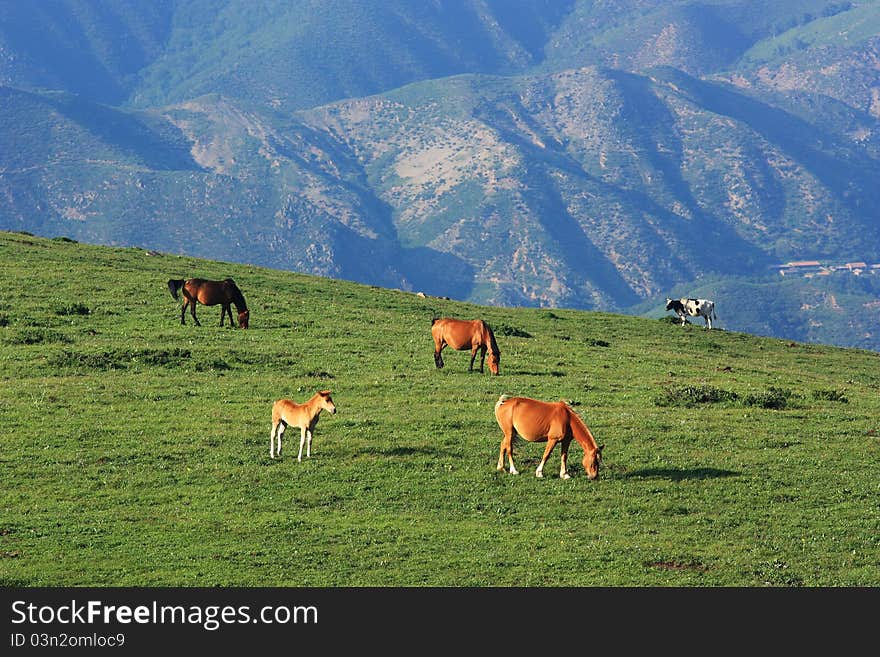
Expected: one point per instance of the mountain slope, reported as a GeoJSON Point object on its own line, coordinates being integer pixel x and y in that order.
{"type": "Point", "coordinates": [517, 200]}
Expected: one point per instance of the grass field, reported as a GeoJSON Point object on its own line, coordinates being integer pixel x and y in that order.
{"type": "Point", "coordinates": [135, 450]}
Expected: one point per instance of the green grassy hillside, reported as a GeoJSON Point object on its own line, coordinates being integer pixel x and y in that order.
{"type": "Point", "coordinates": [135, 450]}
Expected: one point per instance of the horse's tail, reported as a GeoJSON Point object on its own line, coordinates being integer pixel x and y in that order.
{"type": "Point", "coordinates": [174, 286]}
{"type": "Point", "coordinates": [434, 319]}
{"type": "Point", "coordinates": [501, 400]}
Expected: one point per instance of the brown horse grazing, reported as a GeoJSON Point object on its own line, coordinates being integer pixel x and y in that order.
{"type": "Point", "coordinates": [210, 293]}
{"type": "Point", "coordinates": [286, 412]}
{"type": "Point", "coordinates": [461, 335]}
{"type": "Point", "coordinates": [540, 421]}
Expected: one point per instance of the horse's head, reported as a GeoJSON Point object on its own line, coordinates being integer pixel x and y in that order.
{"type": "Point", "coordinates": [668, 303]}
{"type": "Point", "coordinates": [327, 402]}
{"type": "Point", "coordinates": [592, 462]}
{"type": "Point", "coordinates": [494, 361]}
{"type": "Point", "coordinates": [243, 316]}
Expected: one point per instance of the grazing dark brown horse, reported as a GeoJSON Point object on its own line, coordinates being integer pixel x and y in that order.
{"type": "Point", "coordinates": [463, 334]}
{"type": "Point", "coordinates": [540, 421]}
{"type": "Point", "coordinates": [210, 293]}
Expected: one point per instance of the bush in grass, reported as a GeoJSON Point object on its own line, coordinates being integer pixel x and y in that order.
{"type": "Point", "coordinates": [693, 395]}
{"type": "Point", "coordinates": [831, 395]}
{"type": "Point", "coordinates": [113, 360]}
{"type": "Point", "coordinates": [508, 330]}
{"type": "Point", "coordinates": [73, 309]}
{"type": "Point", "coordinates": [216, 365]}
{"type": "Point", "coordinates": [773, 397]}
{"type": "Point", "coordinates": [34, 335]}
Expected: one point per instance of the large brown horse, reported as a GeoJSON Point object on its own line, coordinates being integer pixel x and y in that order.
{"type": "Point", "coordinates": [461, 335]}
{"type": "Point", "coordinates": [540, 421]}
{"type": "Point", "coordinates": [210, 293]}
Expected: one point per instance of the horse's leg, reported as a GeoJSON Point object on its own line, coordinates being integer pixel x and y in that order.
{"type": "Point", "coordinates": [183, 311]}
{"type": "Point", "coordinates": [281, 427]}
{"type": "Point", "coordinates": [192, 310]}
{"type": "Point", "coordinates": [473, 356]}
{"type": "Point", "coordinates": [309, 443]}
{"type": "Point", "coordinates": [223, 311]}
{"type": "Point", "coordinates": [438, 359]}
{"type": "Point", "coordinates": [563, 468]}
{"type": "Point", "coordinates": [272, 440]}
{"type": "Point", "coordinates": [507, 448]}
{"type": "Point", "coordinates": [551, 443]}
{"type": "Point", "coordinates": [302, 441]}
{"type": "Point", "coordinates": [482, 356]}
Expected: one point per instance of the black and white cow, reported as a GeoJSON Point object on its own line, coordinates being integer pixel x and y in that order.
{"type": "Point", "coordinates": [693, 307]}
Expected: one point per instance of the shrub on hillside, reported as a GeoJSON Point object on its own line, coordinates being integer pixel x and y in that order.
{"type": "Point", "coordinates": [773, 397]}
{"type": "Point", "coordinates": [831, 395]}
{"type": "Point", "coordinates": [693, 395]}
{"type": "Point", "coordinates": [73, 309]}
{"type": "Point", "coordinates": [508, 330]}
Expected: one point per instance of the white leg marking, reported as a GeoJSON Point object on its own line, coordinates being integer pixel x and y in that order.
{"type": "Point", "coordinates": [302, 441]}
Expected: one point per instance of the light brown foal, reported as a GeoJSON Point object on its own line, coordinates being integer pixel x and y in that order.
{"type": "Point", "coordinates": [286, 412]}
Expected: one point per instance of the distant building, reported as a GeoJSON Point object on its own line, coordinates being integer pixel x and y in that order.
{"type": "Point", "coordinates": [800, 267]}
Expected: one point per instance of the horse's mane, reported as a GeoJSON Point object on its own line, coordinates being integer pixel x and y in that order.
{"type": "Point", "coordinates": [174, 286]}
{"type": "Point", "coordinates": [492, 344]}
{"type": "Point", "coordinates": [237, 296]}
{"type": "Point", "coordinates": [579, 426]}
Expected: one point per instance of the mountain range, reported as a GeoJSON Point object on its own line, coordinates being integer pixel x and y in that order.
{"type": "Point", "coordinates": [596, 155]}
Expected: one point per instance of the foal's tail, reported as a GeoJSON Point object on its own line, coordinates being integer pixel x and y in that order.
{"type": "Point", "coordinates": [174, 286]}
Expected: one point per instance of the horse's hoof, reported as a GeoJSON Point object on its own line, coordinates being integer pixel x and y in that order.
{"type": "Point", "coordinates": [514, 472]}
{"type": "Point", "coordinates": [539, 474]}
{"type": "Point", "coordinates": [565, 476]}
